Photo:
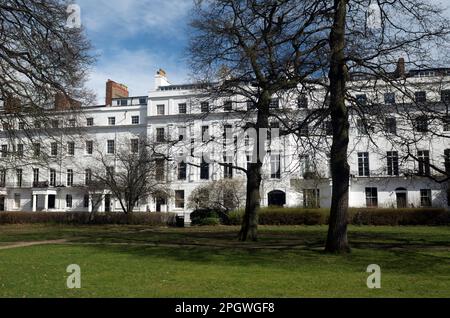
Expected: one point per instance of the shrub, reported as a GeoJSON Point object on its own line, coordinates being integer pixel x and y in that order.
{"type": "Point", "coordinates": [200, 217]}
{"type": "Point", "coordinates": [83, 218]}
{"type": "Point", "coordinates": [362, 216]}
{"type": "Point", "coordinates": [209, 222]}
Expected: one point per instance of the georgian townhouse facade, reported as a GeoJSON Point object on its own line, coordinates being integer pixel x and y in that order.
{"type": "Point", "coordinates": [296, 169]}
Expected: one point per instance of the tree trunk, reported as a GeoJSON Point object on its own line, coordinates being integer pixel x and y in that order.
{"type": "Point", "coordinates": [250, 221]}
{"type": "Point", "coordinates": [249, 227]}
{"type": "Point", "coordinates": [337, 241]}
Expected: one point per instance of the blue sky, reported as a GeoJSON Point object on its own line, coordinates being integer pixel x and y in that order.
{"type": "Point", "coordinates": [133, 39]}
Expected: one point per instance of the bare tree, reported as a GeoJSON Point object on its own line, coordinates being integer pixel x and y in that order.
{"type": "Point", "coordinates": [130, 172]}
{"type": "Point", "coordinates": [43, 66]}
{"type": "Point", "coordinates": [367, 38]}
{"type": "Point", "coordinates": [256, 50]}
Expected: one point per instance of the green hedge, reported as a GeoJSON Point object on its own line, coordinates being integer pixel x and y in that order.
{"type": "Point", "coordinates": [82, 218]}
{"type": "Point", "coordinates": [362, 216]}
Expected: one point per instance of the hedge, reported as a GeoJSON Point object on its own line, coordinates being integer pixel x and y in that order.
{"type": "Point", "coordinates": [83, 218]}
{"type": "Point", "coordinates": [357, 216]}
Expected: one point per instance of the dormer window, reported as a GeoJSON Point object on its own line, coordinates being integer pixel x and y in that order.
{"type": "Point", "coordinates": [421, 97]}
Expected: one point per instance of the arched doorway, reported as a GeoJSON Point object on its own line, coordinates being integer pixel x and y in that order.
{"type": "Point", "coordinates": [277, 198]}
{"type": "Point", "coordinates": [402, 198]}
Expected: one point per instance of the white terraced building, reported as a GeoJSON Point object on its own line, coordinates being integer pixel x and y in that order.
{"type": "Point", "coordinates": [295, 175]}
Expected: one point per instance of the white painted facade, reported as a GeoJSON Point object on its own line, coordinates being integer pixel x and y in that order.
{"type": "Point", "coordinates": [141, 117]}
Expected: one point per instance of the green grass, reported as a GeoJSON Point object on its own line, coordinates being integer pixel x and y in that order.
{"type": "Point", "coordinates": [209, 262]}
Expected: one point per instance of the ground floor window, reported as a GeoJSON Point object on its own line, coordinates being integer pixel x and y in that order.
{"type": "Point", "coordinates": [372, 197]}
{"type": "Point", "coordinates": [69, 202]}
{"type": "Point", "coordinates": [179, 199]}
{"type": "Point", "coordinates": [311, 198]}
{"type": "Point", "coordinates": [86, 200]}
{"type": "Point", "coordinates": [425, 198]}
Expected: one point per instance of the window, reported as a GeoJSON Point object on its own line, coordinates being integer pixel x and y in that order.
{"type": "Point", "coordinates": [420, 97]}
{"type": "Point", "coordinates": [391, 125]}
{"type": "Point", "coordinates": [204, 170]}
{"type": "Point", "coordinates": [447, 161]}
{"type": "Point", "coordinates": [86, 201]}
{"type": "Point", "coordinates": [72, 122]}
{"type": "Point", "coordinates": [55, 123]}
{"type": "Point", "coordinates": [69, 202]}
{"type": "Point", "coordinates": [421, 124]}
{"type": "Point", "coordinates": [361, 99]}
{"type": "Point", "coordinates": [4, 151]}
{"type": "Point", "coordinates": [71, 148]}
{"type": "Point", "coordinates": [228, 106]}
{"type": "Point", "coordinates": [69, 177]}
{"type": "Point", "coordinates": [16, 201]}
{"type": "Point", "coordinates": [424, 162]}
{"type": "Point", "coordinates": [302, 101]}
{"type": "Point", "coordinates": [328, 127]}
{"type": "Point", "coordinates": [445, 96]}
{"type": "Point", "coordinates": [110, 172]}
{"type": "Point", "coordinates": [204, 107]}
{"type": "Point", "coordinates": [52, 177]}
{"type": "Point", "coordinates": [160, 170]}
{"type": "Point", "coordinates": [37, 150]}
{"type": "Point", "coordinates": [363, 164]}
{"type": "Point", "coordinates": [54, 149]}
{"type": "Point", "coordinates": [251, 105]}
{"type": "Point", "coordinates": [21, 125]}
{"type": "Point", "coordinates": [392, 163]}
{"type": "Point", "coordinates": [361, 127]}
{"type": "Point", "coordinates": [135, 120]}
{"type": "Point", "coordinates": [311, 198]}
{"type": "Point", "coordinates": [35, 177]}
{"type": "Point", "coordinates": [205, 133]}
{"type": "Point", "coordinates": [182, 133]}
{"type": "Point", "coordinates": [160, 135]}
{"type": "Point", "coordinates": [134, 145]}
{"type": "Point", "coordinates": [305, 165]}
{"type": "Point", "coordinates": [227, 132]}
{"type": "Point", "coordinates": [182, 171]}
{"type": "Point", "coordinates": [19, 173]}
{"type": "Point", "coordinates": [87, 176]}
{"type": "Point", "coordinates": [111, 147]}
{"type": "Point", "coordinates": [20, 150]}
{"type": "Point", "coordinates": [143, 101]}
{"type": "Point", "coordinates": [425, 198]}
{"type": "Point", "coordinates": [372, 197]}
{"type": "Point", "coordinates": [446, 121]}
{"type": "Point", "coordinates": [112, 121]}
{"type": "Point", "coordinates": [304, 130]}
{"type": "Point", "coordinates": [274, 103]}
{"type": "Point", "coordinates": [2, 178]}
{"type": "Point", "coordinates": [179, 199]}
{"type": "Point", "coordinates": [90, 122]}
{"type": "Point", "coordinates": [182, 108]}
{"type": "Point", "coordinates": [227, 168]}
{"type": "Point", "coordinates": [275, 169]}
{"type": "Point", "coordinates": [389, 98]}
{"type": "Point", "coordinates": [160, 110]}
{"type": "Point", "coordinates": [89, 147]}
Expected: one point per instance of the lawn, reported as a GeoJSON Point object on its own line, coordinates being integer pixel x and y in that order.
{"type": "Point", "coordinates": [136, 261]}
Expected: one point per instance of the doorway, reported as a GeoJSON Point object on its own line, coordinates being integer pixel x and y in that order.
{"type": "Point", "coordinates": [402, 198]}
{"type": "Point", "coordinates": [108, 203]}
{"type": "Point", "coordinates": [160, 202]}
{"type": "Point", "coordinates": [277, 198]}
{"type": "Point", "coordinates": [52, 202]}
{"type": "Point", "coordinates": [2, 204]}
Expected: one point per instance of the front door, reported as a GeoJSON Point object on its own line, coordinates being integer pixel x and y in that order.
{"type": "Point", "coordinates": [402, 199]}
{"type": "Point", "coordinates": [51, 202]}
{"type": "Point", "coordinates": [159, 203]}
{"type": "Point", "coordinates": [2, 204]}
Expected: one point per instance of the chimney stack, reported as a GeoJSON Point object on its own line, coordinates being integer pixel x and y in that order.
{"type": "Point", "coordinates": [64, 103]}
{"type": "Point", "coordinates": [161, 79]}
{"type": "Point", "coordinates": [401, 69]}
{"type": "Point", "coordinates": [115, 90]}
